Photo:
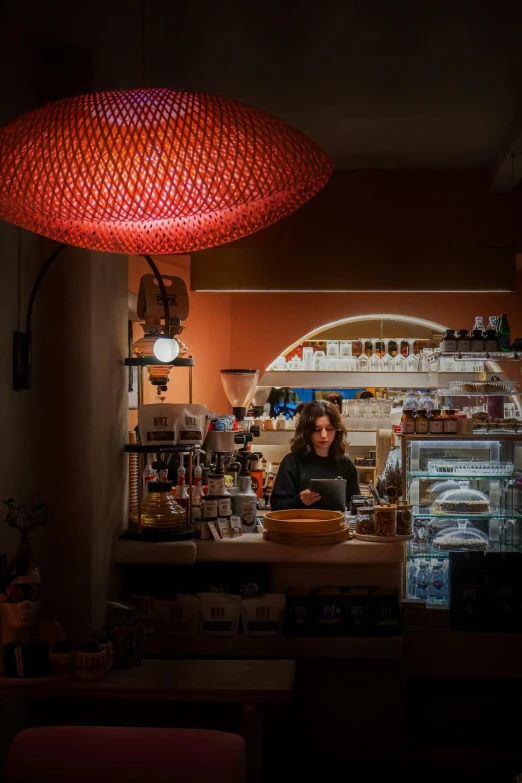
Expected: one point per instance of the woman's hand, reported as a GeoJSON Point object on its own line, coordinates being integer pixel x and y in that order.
{"type": "Point", "coordinates": [309, 498]}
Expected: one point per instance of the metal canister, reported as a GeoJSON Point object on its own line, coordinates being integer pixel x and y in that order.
{"type": "Point", "coordinates": [210, 508]}
{"type": "Point", "coordinates": [404, 518]}
{"type": "Point", "coordinates": [225, 506]}
{"type": "Point", "coordinates": [385, 516]}
{"type": "Point", "coordinates": [216, 484]}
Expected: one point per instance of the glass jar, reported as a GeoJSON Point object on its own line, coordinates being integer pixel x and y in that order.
{"type": "Point", "coordinates": [385, 516]}
{"type": "Point", "coordinates": [407, 423]}
{"type": "Point", "coordinates": [365, 522]}
{"type": "Point", "coordinates": [422, 424]}
{"type": "Point", "coordinates": [436, 422]}
{"type": "Point", "coordinates": [159, 507]}
{"type": "Point", "coordinates": [411, 401]}
{"type": "Point", "coordinates": [450, 422]}
{"type": "Point", "coordinates": [404, 518]}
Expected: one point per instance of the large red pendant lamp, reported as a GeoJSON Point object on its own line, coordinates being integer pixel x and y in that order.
{"type": "Point", "coordinates": [153, 171]}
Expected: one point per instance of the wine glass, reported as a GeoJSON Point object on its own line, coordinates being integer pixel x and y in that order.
{"type": "Point", "coordinates": [399, 361]}
{"type": "Point", "coordinates": [412, 362]}
{"type": "Point", "coordinates": [375, 360]}
{"type": "Point", "coordinates": [363, 362]}
{"type": "Point", "coordinates": [387, 360]}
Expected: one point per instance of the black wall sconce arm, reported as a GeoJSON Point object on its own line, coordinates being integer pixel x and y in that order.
{"type": "Point", "coordinates": [22, 340]}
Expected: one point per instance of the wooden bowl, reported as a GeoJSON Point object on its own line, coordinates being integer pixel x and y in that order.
{"type": "Point", "coordinates": [304, 521]}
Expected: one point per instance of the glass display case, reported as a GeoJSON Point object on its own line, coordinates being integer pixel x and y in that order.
{"type": "Point", "coordinates": [466, 493]}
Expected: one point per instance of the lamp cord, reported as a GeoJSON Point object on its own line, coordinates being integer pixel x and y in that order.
{"type": "Point", "coordinates": [163, 290]}
{"type": "Point", "coordinates": [142, 43]}
{"type": "Point", "coordinates": [37, 283]}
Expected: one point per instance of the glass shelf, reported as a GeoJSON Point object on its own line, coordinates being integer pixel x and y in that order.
{"type": "Point", "coordinates": [424, 513]}
{"type": "Point", "coordinates": [458, 476]}
{"type": "Point", "coordinates": [457, 393]}
{"type": "Point", "coordinates": [421, 551]}
{"type": "Point", "coordinates": [496, 356]}
{"type": "Point", "coordinates": [143, 361]}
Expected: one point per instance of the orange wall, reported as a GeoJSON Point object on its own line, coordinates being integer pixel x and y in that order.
{"type": "Point", "coordinates": [277, 320]}
{"type": "Point", "coordinates": [207, 334]}
{"type": "Point", "coordinates": [250, 330]}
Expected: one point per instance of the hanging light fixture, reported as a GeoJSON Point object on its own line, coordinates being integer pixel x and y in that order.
{"type": "Point", "coordinates": [149, 171]}
{"type": "Point", "coordinates": [153, 171]}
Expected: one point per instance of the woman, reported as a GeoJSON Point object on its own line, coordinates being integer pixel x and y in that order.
{"type": "Point", "coordinates": [318, 451]}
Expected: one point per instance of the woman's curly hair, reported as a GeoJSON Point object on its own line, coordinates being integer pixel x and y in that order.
{"type": "Point", "coordinates": [302, 441]}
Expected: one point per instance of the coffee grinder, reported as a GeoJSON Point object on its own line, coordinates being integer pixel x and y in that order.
{"type": "Point", "coordinates": [240, 387]}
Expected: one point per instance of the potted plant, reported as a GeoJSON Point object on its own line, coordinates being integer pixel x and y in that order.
{"type": "Point", "coordinates": [25, 519]}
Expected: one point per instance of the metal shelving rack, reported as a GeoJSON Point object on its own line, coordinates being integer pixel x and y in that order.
{"type": "Point", "coordinates": [135, 448]}
{"type": "Point", "coordinates": [143, 361]}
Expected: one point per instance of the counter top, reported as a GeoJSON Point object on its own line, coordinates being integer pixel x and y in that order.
{"type": "Point", "coordinates": [252, 548]}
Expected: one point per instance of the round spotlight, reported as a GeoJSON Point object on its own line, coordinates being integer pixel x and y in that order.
{"type": "Point", "coordinates": [166, 349]}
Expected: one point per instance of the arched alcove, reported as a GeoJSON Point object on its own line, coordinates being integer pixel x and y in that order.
{"type": "Point", "coordinates": [372, 326]}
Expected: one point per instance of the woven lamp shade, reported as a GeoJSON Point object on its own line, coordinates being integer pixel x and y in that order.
{"type": "Point", "coordinates": [153, 171]}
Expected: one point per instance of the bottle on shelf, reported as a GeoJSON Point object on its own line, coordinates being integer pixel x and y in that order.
{"type": "Point", "coordinates": [181, 494]}
{"type": "Point", "coordinates": [197, 489]}
{"type": "Point", "coordinates": [437, 593]}
{"type": "Point", "coordinates": [450, 422]}
{"type": "Point", "coordinates": [478, 332]}
{"type": "Point", "coordinates": [503, 334]}
{"type": "Point", "coordinates": [491, 341]}
{"type": "Point", "coordinates": [422, 580]}
{"type": "Point", "coordinates": [411, 401]}
{"type": "Point", "coordinates": [149, 474]}
{"type": "Point", "coordinates": [410, 583]}
{"type": "Point", "coordinates": [256, 473]}
{"type": "Point", "coordinates": [244, 502]}
{"type": "Point", "coordinates": [463, 341]}
{"type": "Point", "coordinates": [422, 423]}
{"type": "Point", "coordinates": [448, 343]}
{"type": "Point", "coordinates": [407, 422]}
{"type": "Point", "coordinates": [436, 422]}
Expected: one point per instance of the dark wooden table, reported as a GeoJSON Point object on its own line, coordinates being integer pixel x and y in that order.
{"type": "Point", "coordinates": [246, 682]}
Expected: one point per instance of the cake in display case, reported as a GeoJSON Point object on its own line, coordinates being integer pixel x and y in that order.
{"type": "Point", "coordinates": [466, 495]}
{"type": "Point", "coordinates": [462, 537]}
{"type": "Point", "coordinates": [463, 501]}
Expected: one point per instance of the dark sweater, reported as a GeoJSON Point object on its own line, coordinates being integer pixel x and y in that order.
{"type": "Point", "coordinates": [295, 472]}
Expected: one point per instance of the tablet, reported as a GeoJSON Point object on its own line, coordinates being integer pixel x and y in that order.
{"type": "Point", "coordinates": [333, 493]}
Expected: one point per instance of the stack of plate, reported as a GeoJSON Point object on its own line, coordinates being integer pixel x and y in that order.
{"type": "Point", "coordinates": [306, 527]}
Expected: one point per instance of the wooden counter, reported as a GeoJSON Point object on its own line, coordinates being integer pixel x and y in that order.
{"type": "Point", "coordinates": [252, 548]}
